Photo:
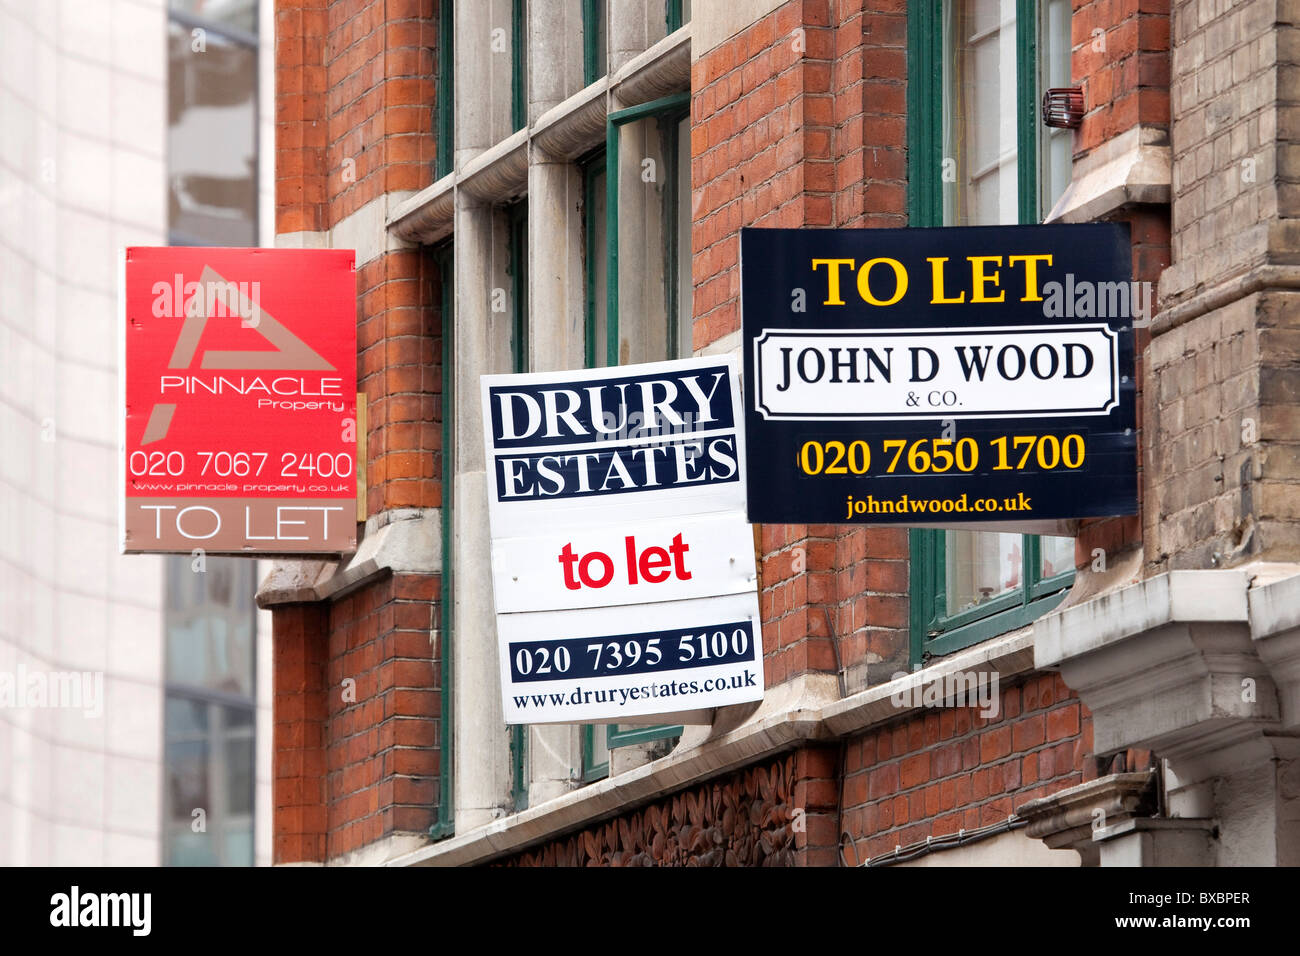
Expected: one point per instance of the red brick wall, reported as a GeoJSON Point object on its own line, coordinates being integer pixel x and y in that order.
{"type": "Point", "coordinates": [950, 768]}
{"type": "Point", "coordinates": [799, 120]}
{"type": "Point", "coordinates": [300, 170]}
{"type": "Point", "coordinates": [379, 60]}
{"type": "Point", "coordinates": [300, 818]}
{"type": "Point", "coordinates": [354, 91]}
{"type": "Point", "coordinates": [869, 76]}
{"type": "Point", "coordinates": [399, 367]}
{"type": "Point", "coordinates": [382, 746]}
{"type": "Point", "coordinates": [1152, 252]}
{"type": "Point", "coordinates": [354, 86]}
{"type": "Point", "coordinates": [1124, 69]}
{"type": "Point", "coordinates": [355, 762]}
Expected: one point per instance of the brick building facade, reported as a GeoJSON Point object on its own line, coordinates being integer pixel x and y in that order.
{"type": "Point", "coordinates": [483, 158]}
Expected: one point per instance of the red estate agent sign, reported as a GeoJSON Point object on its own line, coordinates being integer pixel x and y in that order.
{"type": "Point", "coordinates": [240, 391]}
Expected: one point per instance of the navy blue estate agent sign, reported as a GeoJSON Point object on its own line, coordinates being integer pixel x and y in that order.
{"type": "Point", "coordinates": [923, 376]}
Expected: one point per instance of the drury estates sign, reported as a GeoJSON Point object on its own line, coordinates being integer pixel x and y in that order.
{"type": "Point", "coordinates": [622, 564]}
{"type": "Point", "coordinates": [922, 376]}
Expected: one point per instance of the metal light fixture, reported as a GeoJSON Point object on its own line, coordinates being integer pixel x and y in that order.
{"type": "Point", "coordinates": [1063, 107]}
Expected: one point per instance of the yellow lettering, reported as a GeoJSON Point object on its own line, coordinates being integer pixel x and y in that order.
{"type": "Point", "coordinates": [864, 281]}
{"type": "Point", "coordinates": [833, 267]}
{"type": "Point", "coordinates": [979, 278]}
{"type": "Point", "coordinates": [1031, 274]}
{"type": "Point", "coordinates": [936, 266]}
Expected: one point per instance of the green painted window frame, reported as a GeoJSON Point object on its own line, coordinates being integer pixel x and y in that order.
{"type": "Point", "coordinates": [933, 631]}
{"type": "Point", "coordinates": [593, 25]}
{"type": "Point", "coordinates": [925, 112]}
{"type": "Point", "coordinates": [445, 825]}
{"type": "Point", "coordinates": [591, 771]}
{"type": "Point", "coordinates": [669, 135]}
{"type": "Point", "coordinates": [517, 271]}
{"type": "Point", "coordinates": [445, 99]}
{"type": "Point", "coordinates": [676, 104]}
{"type": "Point", "coordinates": [518, 62]}
{"type": "Point", "coordinates": [591, 165]}
{"type": "Point", "coordinates": [640, 735]}
{"type": "Point", "coordinates": [672, 15]}
{"type": "Point", "coordinates": [669, 109]}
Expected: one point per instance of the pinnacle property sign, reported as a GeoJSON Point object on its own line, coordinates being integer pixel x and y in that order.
{"type": "Point", "coordinates": [940, 376]}
{"type": "Point", "coordinates": [622, 564]}
{"type": "Point", "coordinates": [239, 431]}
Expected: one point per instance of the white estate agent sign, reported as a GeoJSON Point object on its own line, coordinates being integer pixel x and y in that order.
{"type": "Point", "coordinates": [622, 562]}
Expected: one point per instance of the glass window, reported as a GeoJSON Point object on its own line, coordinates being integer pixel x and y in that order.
{"type": "Point", "coordinates": [981, 566]}
{"type": "Point", "coordinates": [209, 783]}
{"type": "Point", "coordinates": [685, 256]}
{"type": "Point", "coordinates": [979, 111]}
{"type": "Point", "coordinates": [595, 45]}
{"type": "Point", "coordinates": [676, 13]}
{"type": "Point", "coordinates": [677, 267]}
{"type": "Point", "coordinates": [996, 166]}
{"type": "Point", "coordinates": [666, 125]}
{"type": "Point", "coordinates": [445, 100]}
{"type": "Point", "coordinates": [519, 65]}
{"type": "Point", "coordinates": [444, 636]}
{"type": "Point", "coordinates": [211, 137]}
{"type": "Point", "coordinates": [517, 268]}
{"type": "Point", "coordinates": [209, 713]}
{"type": "Point", "coordinates": [596, 257]}
{"type": "Point", "coordinates": [1055, 145]}
{"type": "Point", "coordinates": [210, 625]}
{"type": "Point", "coordinates": [595, 752]}
{"type": "Point", "coordinates": [240, 14]}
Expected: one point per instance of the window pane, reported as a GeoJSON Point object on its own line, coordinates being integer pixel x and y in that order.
{"type": "Point", "coordinates": [239, 844]}
{"type": "Point", "coordinates": [1056, 556]}
{"type": "Point", "coordinates": [186, 719]}
{"type": "Point", "coordinates": [187, 848]}
{"type": "Point", "coordinates": [234, 13]}
{"type": "Point", "coordinates": [598, 40]}
{"type": "Point", "coordinates": [519, 66]}
{"type": "Point", "coordinates": [597, 263]}
{"type": "Point", "coordinates": [211, 140]}
{"type": "Point", "coordinates": [209, 624]}
{"type": "Point", "coordinates": [981, 565]}
{"type": "Point", "coordinates": [188, 785]}
{"type": "Point", "coordinates": [685, 310]}
{"type": "Point", "coordinates": [519, 286]}
{"type": "Point", "coordinates": [239, 774]}
{"type": "Point", "coordinates": [1055, 145]}
{"type": "Point", "coordinates": [599, 746]}
{"type": "Point", "coordinates": [979, 112]}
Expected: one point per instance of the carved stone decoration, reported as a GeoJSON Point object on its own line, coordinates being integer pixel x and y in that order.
{"type": "Point", "coordinates": [745, 819]}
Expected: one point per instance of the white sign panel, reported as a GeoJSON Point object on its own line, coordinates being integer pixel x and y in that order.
{"type": "Point", "coordinates": [622, 563]}
{"type": "Point", "coordinates": [911, 373]}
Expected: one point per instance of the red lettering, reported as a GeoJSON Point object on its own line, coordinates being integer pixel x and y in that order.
{"type": "Point", "coordinates": [652, 559]}
{"type": "Point", "coordinates": [567, 557]}
{"type": "Point", "coordinates": [679, 549]}
{"type": "Point", "coordinates": [651, 565]}
{"type": "Point", "coordinates": [630, 542]}
{"type": "Point", "coordinates": [606, 575]}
